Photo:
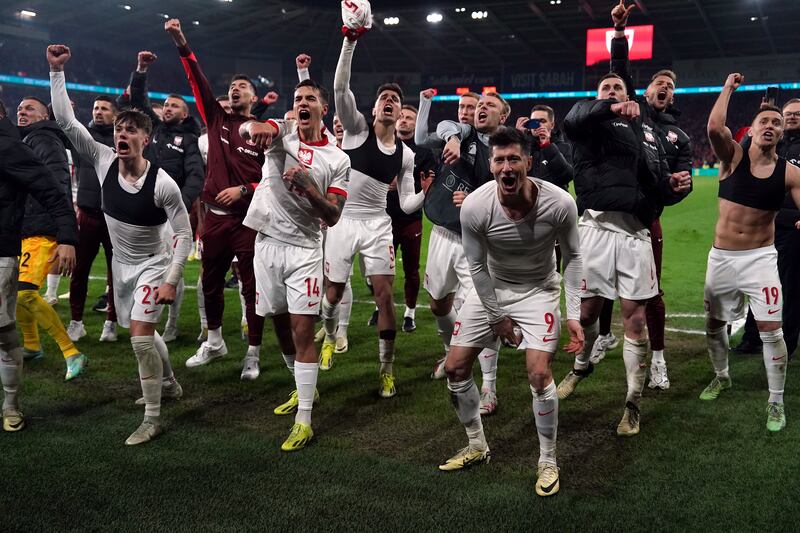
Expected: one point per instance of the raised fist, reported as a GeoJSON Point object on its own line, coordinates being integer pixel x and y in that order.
{"type": "Point", "coordinates": [428, 94]}
{"type": "Point", "coordinates": [620, 13]}
{"type": "Point", "coordinates": [734, 81]}
{"type": "Point", "coordinates": [145, 59]}
{"type": "Point", "coordinates": [628, 110]}
{"type": "Point", "coordinates": [303, 61]}
{"type": "Point", "coordinates": [173, 27]}
{"type": "Point", "coordinates": [270, 98]}
{"type": "Point", "coordinates": [57, 56]}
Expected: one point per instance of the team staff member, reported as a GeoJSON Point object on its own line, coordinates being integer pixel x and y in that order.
{"type": "Point", "coordinates": [234, 170]}
{"type": "Point", "coordinates": [407, 227]}
{"type": "Point", "coordinates": [551, 155]}
{"type": "Point", "coordinates": [92, 229]}
{"type": "Point", "coordinates": [39, 231]}
{"type": "Point", "coordinates": [21, 174]}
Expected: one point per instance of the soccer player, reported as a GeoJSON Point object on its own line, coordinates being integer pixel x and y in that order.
{"type": "Point", "coordinates": [465, 168]}
{"type": "Point", "coordinates": [92, 229]}
{"type": "Point", "coordinates": [140, 201]}
{"type": "Point", "coordinates": [377, 157]}
{"type": "Point", "coordinates": [509, 230]}
{"type": "Point", "coordinates": [21, 174]}
{"type": "Point", "coordinates": [657, 103]}
{"type": "Point", "coordinates": [407, 227]}
{"type": "Point", "coordinates": [234, 170]}
{"type": "Point", "coordinates": [467, 104]}
{"type": "Point", "coordinates": [743, 262]}
{"type": "Point", "coordinates": [622, 184]}
{"type": "Point", "coordinates": [174, 148]}
{"type": "Point", "coordinates": [286, 211]}
{"type": "Point", "coordinates": [39, 232]}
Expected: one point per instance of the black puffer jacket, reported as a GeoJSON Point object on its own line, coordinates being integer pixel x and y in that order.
{"type": "Point", "coordinates": [49, 144]}
{"type": "Point", "coordinates": [21, 173]}
{"type": "Point", "coordinates": [88, 184]}
{"type": "Point", "coordinates": [620, 165]}
{"type": "Point", "coordinates": [172, 147]}
{"type": "Point", "coordinates": [553, 163]}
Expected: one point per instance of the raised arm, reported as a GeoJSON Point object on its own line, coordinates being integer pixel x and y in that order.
{"type": "Point", "coordinates": [422, 137]}
{"type": "Point", "coordinates": [206, 101]}
{"type": "Point", "coordinates": [718, 133]}
{"type": "Point", "coordinates": [347, 111]}
{"type": "Point", "coordinates": [79, 136]}
{"type": "Point", "coordinates": [138, 85]}
{"type": "Point", "coordinates": [303, 63]}
{"type": "Point", "coordinates": [620, 64]}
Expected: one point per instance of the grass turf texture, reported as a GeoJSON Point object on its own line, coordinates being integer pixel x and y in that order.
{"type": "Point", "coordinates": [695, 466]}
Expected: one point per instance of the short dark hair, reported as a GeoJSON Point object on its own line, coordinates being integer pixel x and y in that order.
{"type": "Point", "coordinates": [665, 72]}
{"type": "Point", "coordinates": [790, 102]}
{"type": "Point", "coordinates": [137, 118]}
{"type": "Point", "coordinates": [390, 87]}
{"type": "Point", "coordinates": [36, 99]}
{"type": "Point", "coordinates": [106, 98]}
{"type": "Point", "coordinates": [506, 136]}
{"type": "Point", "coordinates": [610, 75]}
{"type": "Point", "coordinates": [324, 95]}
{"type": "Point", "coordinates": [547, 109]}
{"type": "Point", "coordinates": [409, 107]}
{"type": "Point", "coordinates": [178, 97]}
{"type": "Point", "coordinates": [246, 78]}
{"type": "Point", "coordinates": [764, 108]}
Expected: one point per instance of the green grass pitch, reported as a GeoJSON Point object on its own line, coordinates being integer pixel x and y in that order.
{"type": "Point", "coordinates": [695, 466]}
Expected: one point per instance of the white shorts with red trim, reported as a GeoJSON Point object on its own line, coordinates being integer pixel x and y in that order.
{"type": "Point", "coordinates": [370, 238]}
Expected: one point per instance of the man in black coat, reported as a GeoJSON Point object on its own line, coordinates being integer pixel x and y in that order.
{"type": "Point", "coordinates": [39, 232]}
{"type": "Point", "coordinates": [21, 173]}
{"type": "Point", "coordinates": [622, 183]}
{"type": "Point", "coordinates": [173, 147]}
{"type": "Point", "coordinates": [92, 229]}
{"type": "Point", "coordinates": [551, 153]}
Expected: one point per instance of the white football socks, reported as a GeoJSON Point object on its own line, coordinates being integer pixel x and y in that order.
{"type": "Point", "coordinates": [545, 412]}
{"type": "Point", "coordinates": [215, 338]}
{"type": "Point", "coordinates": [329, 316]}
{"type": "Point", "coordinates": [775, 359]}
{"type": "Point", "coordinates": [411, 312]}
{"type": "Point", "coordinates": [717, 343]}
{"type": "Point", "coordinates": [10, 367]}
{"type": "Point", "coordinates": [151, 372]}
{"type": "Point", "coordinates": [386, 355]}
{"type": "Point", "coordinates": [345, 308]}
{"type": "Point", "coordinates": [305, 377]}
{"type": "Point", "coordinates": [488, 361]}
{"type": "Point", "coordinates": [466, 400]}
{"type": "Point", "coordinates": [163, 353]}
{"type": "Point", "coordinates": [52, 286]}
{"type": "Point", "coordinates": [590, 333]}
{"type": "Point", "coordinates": [634, 354]}
{"type": "Point", "coordinates": [658, 357]}
{"type": "Point", "coordinates": [253, 351]}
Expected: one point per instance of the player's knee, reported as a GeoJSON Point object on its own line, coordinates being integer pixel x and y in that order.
{"type": "Point", "coordinates": [441, 307]}
{"type": "Point", "coordinates": [715, 327]}
{"type": "Point", "coordinates": [773, 336]}
{"type": "Point", "coordinates": [539, 379]}
{"type": "Point", "coordinates": [456, 369]}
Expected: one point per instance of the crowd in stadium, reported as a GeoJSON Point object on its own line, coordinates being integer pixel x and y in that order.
{"type": "Point", "coordinates": [290, 202]}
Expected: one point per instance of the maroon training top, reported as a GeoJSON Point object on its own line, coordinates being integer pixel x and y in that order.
{"type": "Point", "coordinates": [232, 161]}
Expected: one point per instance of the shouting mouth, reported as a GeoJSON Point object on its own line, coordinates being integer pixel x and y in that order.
{"type": "Point", "coordinates": [123, 147]}
{"type": "Point", "coordinates": [483, 116]}
{"type": "Point", "coordinates": [304, 115]}
{"type": "Point", "coordinates": [509, 184]}
{"type": "Point", "coordinates": [388, 110]}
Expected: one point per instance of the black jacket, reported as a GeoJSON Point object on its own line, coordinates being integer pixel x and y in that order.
{"type": "Point", "coordinates": [21, 173]}
{"type": "Point", "coordinates": [172, 147]}
{"type": "Point", "coordinates": [620, 165]}
{"type": "Point", "coordinates": [553, 163]}
{"type": "Point", "coordinates": [49, 143]}
{"type": "Point", "coordinates": [424, 161]}
{"type": "Point", "coordinates": [676, 143]}
{"type": "Point", "coordinates": [88, 184]}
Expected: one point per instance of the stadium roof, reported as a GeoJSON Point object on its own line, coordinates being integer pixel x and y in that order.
{"type": "Point", "coordinates": [514, 34]}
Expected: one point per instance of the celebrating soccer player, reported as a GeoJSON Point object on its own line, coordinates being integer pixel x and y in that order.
{"type": "Point", "coordinates": [743, 261]}
{"type": "Point", "coordinates": [305, 181]}
{"type": "Point", "coordinates": [509, 229]}
{"type": "Point", "coordinates": [139, 200]}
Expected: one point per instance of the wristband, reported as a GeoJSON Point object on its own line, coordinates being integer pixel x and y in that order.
{"type": "Point", "coordinates": [619, 28]}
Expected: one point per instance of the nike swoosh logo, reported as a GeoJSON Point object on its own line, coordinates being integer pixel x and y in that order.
{"type": "Point", "coordinates": [778, 358]}
{"type": "Point", "coordinates": [7, 360]}
{"type": "Point", "coordinates": [772, 311]}
{"type": "Point", "coordinates": [547, 413]}
{"type": "Point", "coordinates": [151, 376]}
{"type": "Point", "coordinates": [550, 487]}
{"type": "Point", "coordinates": [489, 355]}
{"type": "Point", "coordinates": [551, 339]}
{"type": "Point", "coordinates": [150, 311]}
{"type": "Point", "coordinates": [313, 304]}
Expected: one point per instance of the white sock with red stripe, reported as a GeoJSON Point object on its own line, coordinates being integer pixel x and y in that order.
{"type": "Point", "coordinates": [545, 412]}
